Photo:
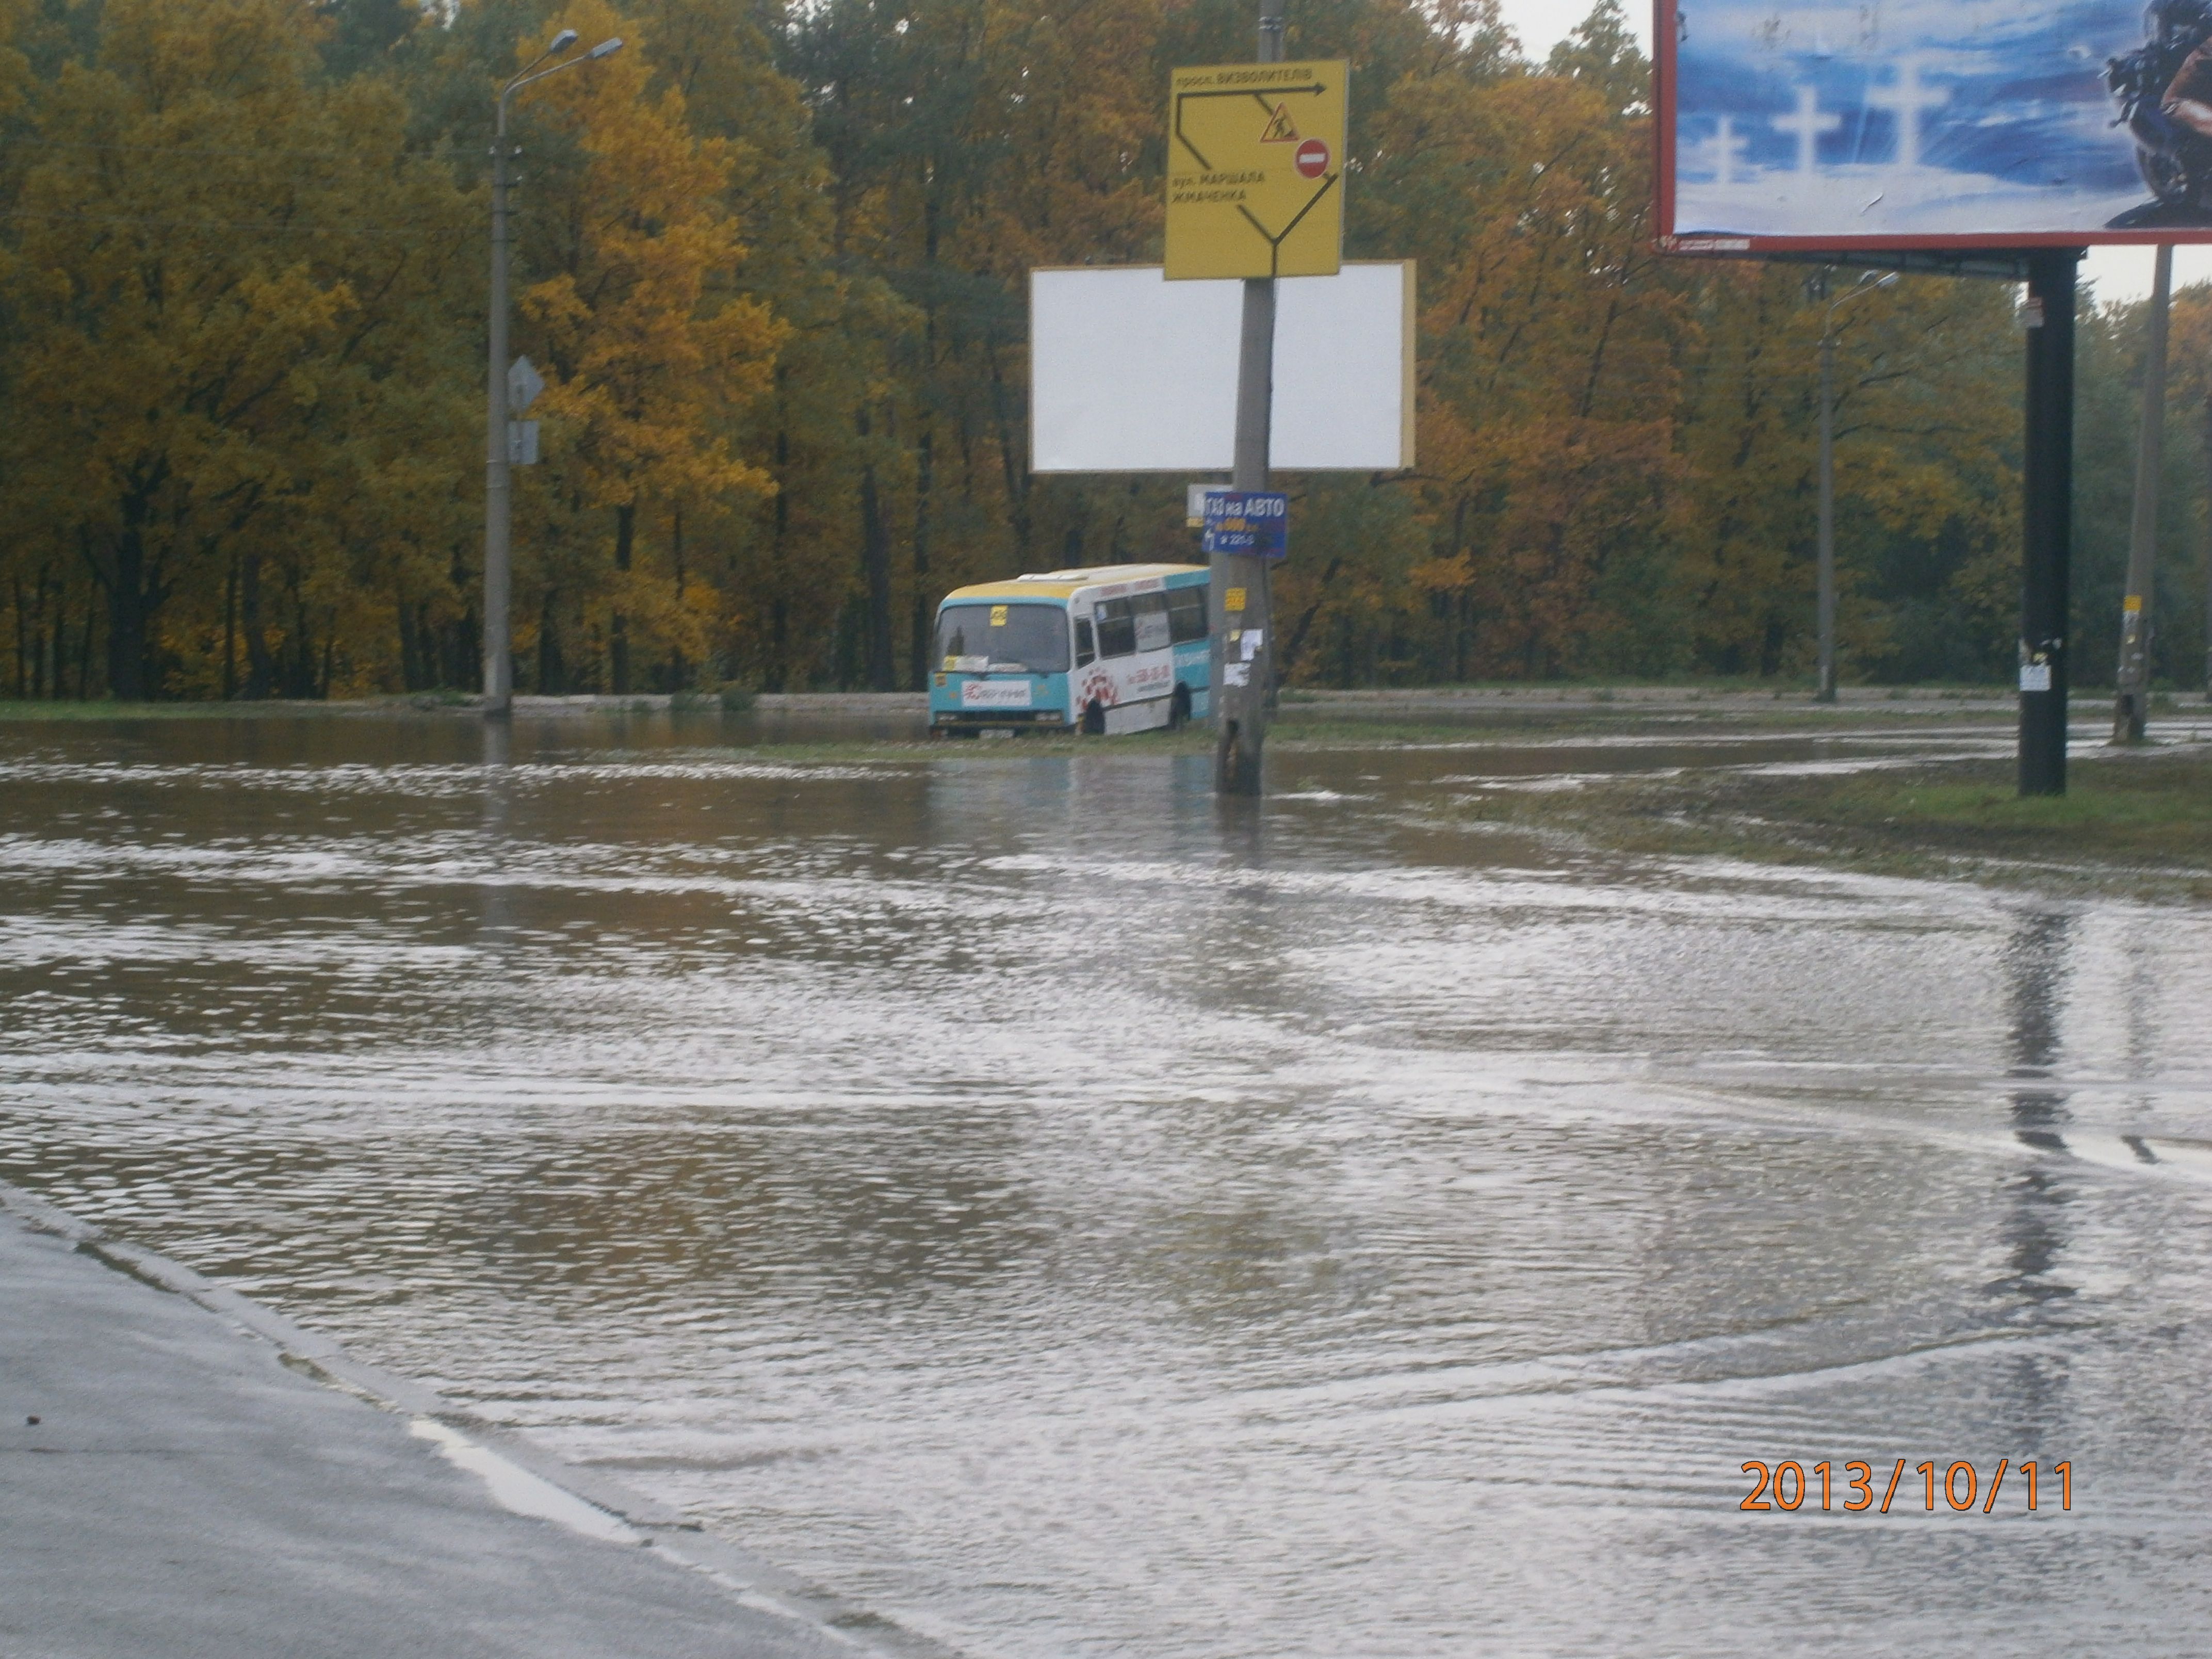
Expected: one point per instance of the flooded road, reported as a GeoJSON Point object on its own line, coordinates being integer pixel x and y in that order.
{"type": "Point", "coordinates": [1067, 1215]}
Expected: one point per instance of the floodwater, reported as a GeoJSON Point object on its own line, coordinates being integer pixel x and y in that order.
{"type": "Point", "coordinates": [1069, 1216]}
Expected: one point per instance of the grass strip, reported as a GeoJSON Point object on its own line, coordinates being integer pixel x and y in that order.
{"type": "Point", "coordinates": [2132, 821]}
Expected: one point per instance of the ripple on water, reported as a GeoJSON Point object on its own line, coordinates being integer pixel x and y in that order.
{"type": "Point", "coordinates": [1068, 1218]}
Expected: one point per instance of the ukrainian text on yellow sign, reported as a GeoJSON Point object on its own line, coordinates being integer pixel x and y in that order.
{"type": "Point", "coordinates": [1255, 170]}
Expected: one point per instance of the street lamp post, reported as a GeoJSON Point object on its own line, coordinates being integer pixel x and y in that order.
{"type": "Point", "coordinates": [1866, 284]}
{"type": "Point", "coordinates": [2131, 708]}
{"type": "Point", "coordinates": [498, 573]}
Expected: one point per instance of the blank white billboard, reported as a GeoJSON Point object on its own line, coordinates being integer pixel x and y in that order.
{"type": "Point", "coordinates": [1130, 373]}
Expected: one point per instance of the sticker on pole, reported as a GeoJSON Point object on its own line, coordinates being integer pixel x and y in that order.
{"type": "Point", "coordinates": [1254, 524]}
{"type": "Point", "coordinates": [1254, 186]}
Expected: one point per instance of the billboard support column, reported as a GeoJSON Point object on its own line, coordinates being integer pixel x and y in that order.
{"type": "Point", "coordinates": [2048, 500]}
{"type": "Point", "coordinates": [1240, 582]}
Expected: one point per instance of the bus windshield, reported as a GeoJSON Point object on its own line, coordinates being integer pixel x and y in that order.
{"type": "Point", "coordinates": [1034, 637]}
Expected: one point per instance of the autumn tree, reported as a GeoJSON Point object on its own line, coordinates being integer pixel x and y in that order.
{"type": "Point", "coordinates": [2112, 343]}
{"type": "Point", "coordinates": [773, 259]}
{"type": "Point", "coordinates": [219, 274]}
{"type": "Point", "coordinates": [785, 561]}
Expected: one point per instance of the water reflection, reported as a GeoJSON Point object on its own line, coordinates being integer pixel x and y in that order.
{"type": "Point", "coordinates": [2038, 964]}
{"type": "Point", "coordinates": [1043, 1205]}
{"type": "Point", "coordinates": [497, 919]}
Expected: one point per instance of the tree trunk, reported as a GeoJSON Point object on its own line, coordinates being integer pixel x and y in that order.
{"type": "Point", "coordinates": [47, 671]}
{"type": "Point", "coordinates": [550, 676]}
{"type": "Point", "coordinates": [875, 577]}
{"type": "Point", "coordinates": [1295, 646]}
{"type": "Point", "coordinates": [129, 613]}
{"type": "Point", "coordinates": [924, 603]}
{"type": "Point", "coordinates": [1011, 460]}
{"type": "Point", "coordinates": [22, 640]}
{"type": "Point", "coordinates": [260, 669]}
{"type": "Point", "coordinates": [775, 673]}
{"type": "Point", "coordinates": [618, 625]}
{"type": "Point", "coordinates": [299, 665]}
{"type": "Point", "coordinates": [460, 661]}
{"type": "Point", "coordinates": [679, 672]}
{"type": "Point", "coordinates": [230, 631]}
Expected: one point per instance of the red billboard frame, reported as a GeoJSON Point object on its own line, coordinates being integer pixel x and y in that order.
{"type": "Point", "coordinates": [1664, 38]}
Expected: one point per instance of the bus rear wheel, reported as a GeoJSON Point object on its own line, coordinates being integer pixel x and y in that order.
{"type": "Point", "coordinates": [1179, 708]}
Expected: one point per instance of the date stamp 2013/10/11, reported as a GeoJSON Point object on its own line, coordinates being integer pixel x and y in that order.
{"type": "Point", "coordinates": [1787, 1484]}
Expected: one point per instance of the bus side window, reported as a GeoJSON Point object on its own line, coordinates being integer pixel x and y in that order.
{"type": "Point", "coordinates": [1152, 611]}
{"type": "Point", "coordinates": [1117, 629]}
{"type": "Point", "coordinates": [1185, 614]}
{"type": "Point", "coordinates": [1084, 650]}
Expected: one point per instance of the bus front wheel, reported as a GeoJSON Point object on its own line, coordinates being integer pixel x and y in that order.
{"type": "Point", "coordinates": [1094, 719]}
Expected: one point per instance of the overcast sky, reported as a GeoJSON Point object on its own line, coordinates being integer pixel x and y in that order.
{"type": "Point", "coordinates": [2119, 273]}
{"type": "Point", "coordinates": [1541, 24]}
{"type": "Point", "coordinates": [2124, 273]}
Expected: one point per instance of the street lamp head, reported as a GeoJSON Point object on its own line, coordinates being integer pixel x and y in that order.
{"type": "Point", "coordinates": [562, 42]}
{"type": "Point", "coordinates": [606, 48]}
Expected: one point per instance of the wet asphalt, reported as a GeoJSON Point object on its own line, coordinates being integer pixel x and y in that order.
{"type": "Point", "coordinates": [169, 1487]}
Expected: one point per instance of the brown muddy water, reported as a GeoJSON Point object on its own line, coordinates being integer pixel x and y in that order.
{"type": "Point", "coordinates": [1069, 1216]}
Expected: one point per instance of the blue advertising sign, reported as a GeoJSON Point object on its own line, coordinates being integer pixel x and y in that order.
{"type": "Point", "coordinates": [1933, 123]}
{"type": "Point", "coordinates": [1255, 523]}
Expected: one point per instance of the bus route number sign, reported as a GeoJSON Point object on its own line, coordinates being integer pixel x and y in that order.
{"type": "Point", "coordinates": [1253, 523]}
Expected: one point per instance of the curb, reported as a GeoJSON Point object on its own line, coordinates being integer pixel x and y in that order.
{"type": "Point", "coordinates": [748, 1578]}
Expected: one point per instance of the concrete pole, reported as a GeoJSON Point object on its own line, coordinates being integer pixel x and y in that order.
{"type": "Point", "coordinates": [1239, 583]}
{"type": "Point", "coordinates": [2047, 499]}
{"type": "Point", "coordinates": [498, 575]}
{"type": "Point", "coordinates": [1827, 572]}
{"type": "Point", "coordinates": [2131, 706]}
{"type": "Point", "coordinates": [498, 572]}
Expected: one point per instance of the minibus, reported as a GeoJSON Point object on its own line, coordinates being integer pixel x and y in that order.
{"type": "Point", "coordinates": [1106, 649]}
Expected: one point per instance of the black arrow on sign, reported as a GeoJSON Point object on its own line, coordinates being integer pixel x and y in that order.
{"type": "Point", "coordinates": [1275, 243]}
{"type": "Point", "coordinates": [1239, 92]}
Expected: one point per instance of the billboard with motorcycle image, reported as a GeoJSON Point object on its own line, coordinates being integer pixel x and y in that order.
{"type": "Point", "coordinates": [1933, 122]}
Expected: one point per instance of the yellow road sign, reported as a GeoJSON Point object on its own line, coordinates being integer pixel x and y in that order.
{"type": "Point", "coordinates": [1255, 170]}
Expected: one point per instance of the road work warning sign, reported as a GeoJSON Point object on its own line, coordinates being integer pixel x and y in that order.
{"type": "Point", "coordinates": [1255, 170]}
